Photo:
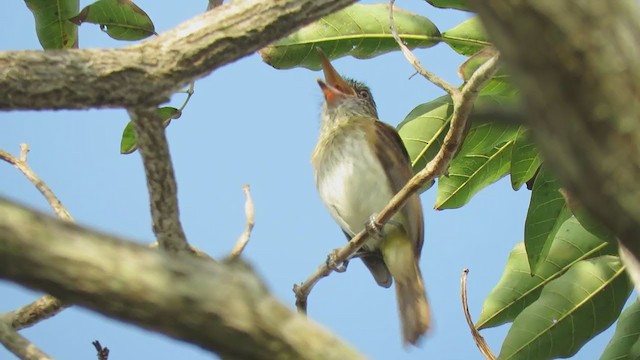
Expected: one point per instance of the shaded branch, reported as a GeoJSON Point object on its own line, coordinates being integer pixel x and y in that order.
{"type": "Point", "coordinates": [477, 338]}
{"type": "Point", "coordinates": [161, 181]}
{"type": "Point", "coordinates": [223, 308]}
{"type": "Point", "coordinates": [577, 66]}
{"type": "Point", "coordinates": [146, 74]}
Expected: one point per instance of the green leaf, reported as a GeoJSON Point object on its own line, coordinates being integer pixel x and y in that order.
{"type": "Point", "coordinates": [53, 29]}
{"type": "Point", "coordinates": [517, 289]}
{"type": "Point", "coordinates": [499, 84]}
{"type": "Point", "coordinates": [450, 4]}
{"type": "Point", "coordinates": [547, 212]}
{"type": "Point", "coordinates": [120, 19]}
{"type": "Point", "coordinates": [571, 309]}
{"type": "Point", "coordinates": [359, 30]}
{"type": "Point", "coordinates": [424, 129]}
{"type": "Point", "coordinates": [471, 173]}
{"type": "Point", "coordinates": [525, 159]}
{"type": "Point", "coordinates": [467, 38]}
{"type": "Point", "coordinates": [625, 343]}
{"type": "Point", "coordinates": [128, 144]}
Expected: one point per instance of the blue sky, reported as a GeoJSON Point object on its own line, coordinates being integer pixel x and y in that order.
{"type": "Point", "coordinates": [249, 123]}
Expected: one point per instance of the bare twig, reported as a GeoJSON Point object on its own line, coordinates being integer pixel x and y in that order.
{"type": "Point", "coordinates": [413, 60]}
{"type": "Point", "coordinates": [463, 100]}
{"type": "Point", "coordinates": [161, 182]}
{"type": "Point", "coordinates": [28, 315]}
{"type": "Point", "coordinates": [22, 165]}
{"type": "Point", "coordinates": [18, 344]}
{"type": "Point", "coordinates": [103, 353]}
{"type": "Point", "coordinates": [479, 340]}
{"type": "Point", "coordinates": [249, 213]}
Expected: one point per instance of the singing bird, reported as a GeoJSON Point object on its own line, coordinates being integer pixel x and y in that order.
{"type": "Point", "coordinates": [360, 163]}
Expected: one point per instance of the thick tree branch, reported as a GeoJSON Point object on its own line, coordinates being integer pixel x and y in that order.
{"type": "Point", "coordinates": [161, 181]}
{"type": "Point", "coordinates": [146, 74]}
{"type": "Point", "coordinates": [577, 64]}
{"type": "Point", "coordinates": [222, 308]}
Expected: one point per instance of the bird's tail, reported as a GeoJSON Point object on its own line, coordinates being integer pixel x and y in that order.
{"type": "Point", "coordinates": [414, 310]}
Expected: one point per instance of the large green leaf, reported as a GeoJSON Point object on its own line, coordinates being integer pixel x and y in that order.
{"type": "Point", "coordinates": [517, 289]}
{"type": "Point", "coordinates": [525, 159]}
{"type": "Point", "coordinates": [625, 343]}
{"type": "Point", "coordinates": [471, 173]}
{"type": "Point", "coordinates": [571, 309]}
{"type": "Point", "coordinates": [359, 30]}
{"type": "Point", "coordinates": [547, 212]}
{"type": "Point", "coordinates": [54, 29]}
{"type": "Point", "coordinates": [120, 19]}
{"type": "Point", "coordinates": [450, 4]}
{"type": "Point", "coordinates": [424, 129]}
{"type": "Point", "coordinates": [466, 38]}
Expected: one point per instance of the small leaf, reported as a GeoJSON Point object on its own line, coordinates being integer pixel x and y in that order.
{"type": "Point", "coordinates": [547, 212]}
{"type": "Point", "coordinates": [571, 309]}
{"type": "Point", "coordinates": [128, 144]}
{"type": "Point", "coordinates": [450, 4]}
{"type": "Point", "coordinates": [625, 343]}
{"type": "Point", "coordinates": [471, 173]}
{"type": "Point", "coordinates": [525, 159]}
{"type": "Point", "coordinates": [120, 19]}
{"type": "Point", "coordinates": [517, 289]}
{"type": "Point", "coordinates": [467, 38]}
{"type": "Point", "coordinates": [53, 29]}
{"type": "Point", "coordinates": [359, 30]}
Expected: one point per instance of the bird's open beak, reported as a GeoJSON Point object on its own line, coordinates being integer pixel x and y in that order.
{"type": "Point", "coordinates": [334, 85]}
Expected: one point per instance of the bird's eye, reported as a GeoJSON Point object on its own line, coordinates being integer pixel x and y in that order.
{"type": "Point", "coordinates": [363, 94]}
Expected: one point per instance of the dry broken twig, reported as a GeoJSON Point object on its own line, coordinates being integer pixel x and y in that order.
{"type": "Point", "coordinates": [477, 338]}
{"type": "Point", "coordinates": [249, 213]}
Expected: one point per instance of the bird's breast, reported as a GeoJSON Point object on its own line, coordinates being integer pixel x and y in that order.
{"type": "Point", "coordinates": [350, 179]}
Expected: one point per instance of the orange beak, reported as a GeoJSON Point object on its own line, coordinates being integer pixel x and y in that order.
{"type": "Point", "coordinates": [335, 86]}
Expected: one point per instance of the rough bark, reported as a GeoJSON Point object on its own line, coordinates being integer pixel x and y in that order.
{"type": "Point", "coordinates": [224, 308]}
{"type": "Point", "coordinates": [577, 64]}
{"type": "Point", "coordinates": [147, 73]}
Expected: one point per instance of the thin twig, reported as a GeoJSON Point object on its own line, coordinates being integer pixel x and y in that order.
{"type": "Point", "coordinates": [249, 213]}
{"type": "Point", "coordinates": [479, 340]}
{"type": "Point", "coordinates": [18, 344]}
{"type": "Point", "coordinates": [22, 165]}
{"type": "Point", "coordinates": [413, 60]}
{"type": "Point", "coordinates": [161, 181]}
{"type": "Point", "coordinates": [463, 100]}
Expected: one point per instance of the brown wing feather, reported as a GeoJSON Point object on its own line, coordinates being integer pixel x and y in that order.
{"type": "Point", "coordinates": [394, 157]}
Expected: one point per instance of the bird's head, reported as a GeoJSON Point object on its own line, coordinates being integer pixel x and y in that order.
{"type": "Point", "coordinates": [344, 98]}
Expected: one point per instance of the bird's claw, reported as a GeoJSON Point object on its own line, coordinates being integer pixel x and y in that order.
{"type": "Point", "coordinates": [373, 228]}
{"type": "Point", "coordinates": [332, 264]}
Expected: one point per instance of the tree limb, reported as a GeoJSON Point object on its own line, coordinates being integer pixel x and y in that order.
{"type": "Point", "coordinates": [147, 74]}
{"type": "Point", "coordinates": [577, 65]}
{"type": "Point", "coordinates": [224, 308]}
{"type": "Point", "coordinates": [18, 344]}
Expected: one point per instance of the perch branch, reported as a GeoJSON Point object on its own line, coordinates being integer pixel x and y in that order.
{"type": "Point", "coordinates": [477, 338]}
{"type": "Point", "coordinates": [249, 213]}
{"type": "Point", "coordinates": [463, 104]}
{"type": "Point", "coordinates": [224, 308]}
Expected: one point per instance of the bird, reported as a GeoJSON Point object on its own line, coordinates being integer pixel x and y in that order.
{"type": "Point", "coordinates": [360, 163]}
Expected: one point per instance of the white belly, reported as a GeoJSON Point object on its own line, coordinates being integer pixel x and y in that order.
{"type": "Point", "coordinates": [354, 188]}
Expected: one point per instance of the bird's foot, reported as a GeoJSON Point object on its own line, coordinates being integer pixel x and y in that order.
{"type": "Point", "coordinates": [373, 228]}
{"type": "Point", "coordinates": [332, 264]}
